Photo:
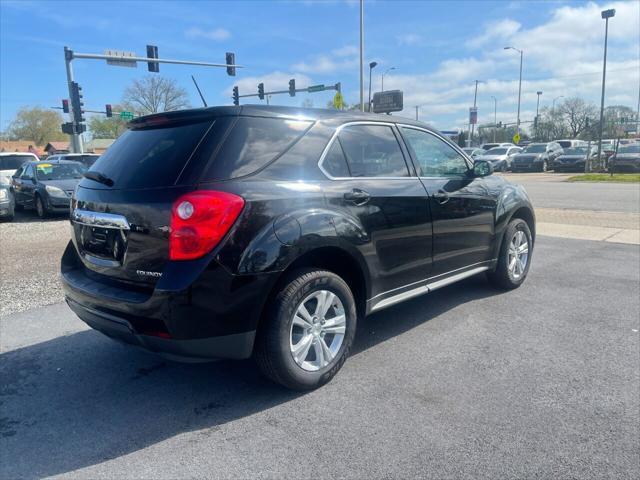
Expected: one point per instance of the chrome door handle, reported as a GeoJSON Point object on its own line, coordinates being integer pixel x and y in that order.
{"type": "Point", "coordinates": [441, 197]}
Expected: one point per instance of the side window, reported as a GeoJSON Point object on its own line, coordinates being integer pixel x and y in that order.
{"type": "Point", "coordinates": [334, 162]}
{"type": "Point", "coordinates": [18, 172]}
{"type": "Point", "coordinates": [435, 158]}
{"type": "Point", "coordinates": [372, 151]}
{"type": "Point", "coordinates": [28, 172]}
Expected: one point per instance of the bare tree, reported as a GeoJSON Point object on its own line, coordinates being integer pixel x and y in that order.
{"type": "Point", "coordinates": [576, 112]}
{"type": "Point", "coordinates": [155, 94]}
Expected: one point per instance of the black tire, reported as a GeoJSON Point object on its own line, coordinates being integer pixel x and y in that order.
{"type": "Point", "coordinates": [273, 352]}
{"type": "Point", "coordinates": [502, 277]}
{"type": "Point", "coordinates": [41, 208]}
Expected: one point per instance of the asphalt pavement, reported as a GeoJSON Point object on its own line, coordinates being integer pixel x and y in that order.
{"type": "Point", "coordinates": [466, 382]}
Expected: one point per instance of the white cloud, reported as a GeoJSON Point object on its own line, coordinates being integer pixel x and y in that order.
{"type": "Point", "coordinates": [408, 39]}
{"type": "Point", "coordinates": [216, 34]}
{"type": "Point", "coordinates": [346, 51]}
{"type": "Point", "coordinates": [495, 31]}
{"type": "Point", "coordinates": [340, 59]}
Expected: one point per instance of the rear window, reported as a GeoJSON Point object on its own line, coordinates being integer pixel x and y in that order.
{"type": "Point", "coordinates": [565, 143]}
{"type": "Point", "coordinates": [87, 160]}
{"type": "Point", "coordinates": [13, 162]}
{"type": "Point", "coordinates": [150, 157]}
{"type": "Point", "coordinates": [253, 143]}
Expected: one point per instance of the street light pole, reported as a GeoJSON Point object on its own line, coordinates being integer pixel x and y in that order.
{"type": "Point", "coordinates": [472, 125]}
{"type": "Point", "coordinates": [372, 65]}
{"type": "Point", "coordinates": [519, 87]}
{"type": "Point", "coordinates": [417, 107]}
{"type": "Point", "coordinates": [606, 14]}
{"type": "Point", "coordinates": [495, 117]}
{"type": "Point", "coordinates": [537, 109]}
{"type": "Point", "coordinates": [385, 72]}
{"type": "Point", "coordinates": [362, 55]}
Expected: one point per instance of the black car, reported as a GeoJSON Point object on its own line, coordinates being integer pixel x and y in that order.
{"type": "Point", "coordinates": [7, 204]}
{"type": "Point", "coordinates": [626, 159]}
{"type": "Point", "coordinates": [536, 157]}
{"type": "Point", "coordinates": [573, 159]}
{"type": "Point", "coordinates": [228, 232]}
{"type": "Point", "coordinates": [46, 186]}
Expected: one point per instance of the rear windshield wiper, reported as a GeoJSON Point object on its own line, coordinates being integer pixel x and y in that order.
{"type": "Point", "coordinates": [99, 177]}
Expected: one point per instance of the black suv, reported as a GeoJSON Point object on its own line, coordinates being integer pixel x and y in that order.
{"type": "Point", "coordinates": [228, 232]}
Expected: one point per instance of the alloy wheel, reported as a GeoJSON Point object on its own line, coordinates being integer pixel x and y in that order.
{"type": "Point", "coordinates": [518, 255]}
{"type": "Point", "coordinates": [317, 330]}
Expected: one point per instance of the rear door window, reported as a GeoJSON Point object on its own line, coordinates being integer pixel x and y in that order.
{"type": "Point", "coordinates": [13, 162]}
{"type": "Point", "coordinates": [150, 157]}
{"type": "Point", "coordinates": [252, 144]}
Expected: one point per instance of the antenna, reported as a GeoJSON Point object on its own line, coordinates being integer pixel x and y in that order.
{"type": "Point", "coordinates": [201, 96]}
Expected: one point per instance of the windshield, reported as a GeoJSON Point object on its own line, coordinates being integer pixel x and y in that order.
{"type": "Point", "coordinates": [59, 171]}
{"type": "Point", "coordinates": [575, 151]}
{"type": "Point", "coordinates": [539, 148]}
{"type": "Point", "coordinates": [497, 151]}
{"type": "Point", "coordinates": [629, 149]}
{"type": "Point", "coordinates": [13, 162]}
{"type": "Point", "coordinates": [87, 160]}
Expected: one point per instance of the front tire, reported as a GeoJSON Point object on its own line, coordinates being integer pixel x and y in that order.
{"type": "Point", "coordinates": [308, 330]}
{"type": "Point", "coordinates": [514, 257]}
{"type": "Point", "coordinates": [41, 210]}
{"type": "Point", "coordinates": [545, 166]}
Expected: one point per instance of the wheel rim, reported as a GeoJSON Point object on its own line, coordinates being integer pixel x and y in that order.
{"type": "Point", "coordinates": [518, 255]}
{"type": "Point", "coordinates": [315, 338]}
{"type": "Point", "coordinates": [544, 166]}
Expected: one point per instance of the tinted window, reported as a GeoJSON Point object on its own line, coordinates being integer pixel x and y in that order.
{"type": "Point", "coordinates": [629, 149]}
{"type": "Point", "coordinates": [28, 172]}
{"type": "Point", "coordinates": [434, 156]}
{"type": "Point", "coordinates": [12, 162]}
{"type": "Point", "coordinates": [537, 148]}
{"type": "Point", "coordinates": [372, 151]}
{"type": "Point", "coordinates": [252, 143]}
{"type": "Point", "coordinates": [150, 157]}
{"type": "Point", "coordinates": [497, 151]}
{"type": "Point", "coordinates": [59, 171]}
{"type": "Point", "coordinates": [87, 160]}
{"type": "Point", "coordinates": [334, 162]}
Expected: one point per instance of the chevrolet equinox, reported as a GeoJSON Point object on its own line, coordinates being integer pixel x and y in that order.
{"type": "Point", "coordinates": [231, 232]}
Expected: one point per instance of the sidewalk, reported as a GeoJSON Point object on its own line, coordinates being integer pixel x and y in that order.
{"type": "Point", "coordinates": [616, 227]}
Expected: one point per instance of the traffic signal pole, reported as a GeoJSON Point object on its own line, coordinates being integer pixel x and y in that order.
{"type": "Point", "coordinates": [76, 139]}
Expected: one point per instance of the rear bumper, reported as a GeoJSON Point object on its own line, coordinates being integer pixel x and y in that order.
{"type": "Point", "coordinates": [196, 311]}
{"type": "Point", "coordinates": [239, 345]}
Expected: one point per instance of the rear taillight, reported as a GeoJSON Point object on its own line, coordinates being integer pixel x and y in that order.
{"type": "Point", "coordinates": [199, 220]}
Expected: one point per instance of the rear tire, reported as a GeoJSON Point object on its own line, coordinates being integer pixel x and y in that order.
{"type": "Point", "coordinates": [299, 353]}
{"type": "Point", "coordinates": [515, 256]}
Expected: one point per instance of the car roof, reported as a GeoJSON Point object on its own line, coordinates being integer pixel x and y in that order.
{"type": "Point", "coordinates": [75, 154]}
{"type": "Point", "coordinates": [57, 162]}
{"type": "Point", "coordinates": [312, 114]}
{"type": "Point", "coordinates": [26, 154]}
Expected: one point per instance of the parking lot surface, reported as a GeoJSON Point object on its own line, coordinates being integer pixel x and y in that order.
{"type": "Point", "coordinates": [466, 382]}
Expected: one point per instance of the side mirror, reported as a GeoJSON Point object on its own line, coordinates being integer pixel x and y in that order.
{"type": "Point", "coordinates": [482, 168]}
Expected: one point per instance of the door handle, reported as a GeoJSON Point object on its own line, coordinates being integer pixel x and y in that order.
{"type": "Point", "coordinates": [357, 196]}
{"type": "Point", "coordinates": [441, 197]}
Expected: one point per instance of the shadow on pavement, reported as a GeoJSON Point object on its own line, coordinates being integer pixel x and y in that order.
{"type": "Point", "coordinates": [82, 399]}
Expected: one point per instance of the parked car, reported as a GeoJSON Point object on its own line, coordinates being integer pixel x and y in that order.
{"type": "Point", "coordinates": [500, 157]}
{"type": "Point", "coordinates": [569, 143]}
{"type": "Point", "coordinates": [536, 157]}
{"type": "Point", "coordinates": [46, 186]}
{"type": "Point", "coordinates": [627, 159]}
{"type": "Point", "coordinates": [269, 231]}
{"type": "Point", "coordinates": [7, 204]}
{"type": "Point", "coordinates": [489, 146]}
{"type": "Point", "coordinates": [11, 161]}
{"type": "Point", "coordinates": [87, 159]}
{"type": "Point", "coordinates": [573, 159]}
{"type": "Point", "coordinates": [473, 152]}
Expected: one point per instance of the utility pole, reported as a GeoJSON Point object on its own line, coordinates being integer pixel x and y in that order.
{"type": "Point", "coordinates": [472, 125]}
{"type": "Point", "coordinates": [537, 108]}
{"type": "Point", "coordinates": [519, 86]}
{"type": "Point", "coordinates": [495, 117]}
{"type": "Point", "coordinates": [362, 55]}
{"type": "Point", "coordinates": [606, 14]}
{"type": "Point", "coordinates": [372, 65]}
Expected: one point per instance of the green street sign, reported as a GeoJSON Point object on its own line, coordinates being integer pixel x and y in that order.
{"type": "Point", "coordinates": [315, 88]}
{"type": "Point", "coordinates": [126, 115]}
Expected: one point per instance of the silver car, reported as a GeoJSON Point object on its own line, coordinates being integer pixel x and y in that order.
{"type": "Point", "coordinates": [500, 157]}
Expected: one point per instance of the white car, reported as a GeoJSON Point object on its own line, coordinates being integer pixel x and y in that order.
{"type": "Point", "coordinates": [489, 146]}
{"type": "Point", "coordinates": [500, 157]}
{"type": "Point", "coordinates": [11, 161]}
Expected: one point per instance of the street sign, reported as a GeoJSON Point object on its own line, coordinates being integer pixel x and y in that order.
{"type": "Point", "coordinates": [126, 115]}
{"type": "Point", "coordinates": [516, 138]}
{"type": "Point", "coordinates": [473, 115]}
{"type": "Point", "coordinates": [338, 101]}
{"type": "Point", "coordinates": [388, 101]}
{"type": "Point", "coordinates": [315, 88]}
{"type": "Point", "coordinates": [122, 60]}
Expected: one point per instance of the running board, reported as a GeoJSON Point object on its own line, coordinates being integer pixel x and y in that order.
{"type": "Point", "coordinates": [429, 287]}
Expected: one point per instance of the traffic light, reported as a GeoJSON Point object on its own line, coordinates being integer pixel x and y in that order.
{"type": "Point", "coordinates": [292, 87]}
{"type": "Point", "coordinates": [499, 125]}
{"type": "Point", "coordinates": [236, 96]}
{"type": "Point", "coordinates": [77, 103]}
{"type": "Point", "coordinates": [152, 52]}
{"type": "Point", "coordinates": [65, 105]}
{"type": "Point", "coordinates": [109, 111]}
{"type": "Point", "coordinates": [231, 60]}
{"type": "Point", "coordinates": [261, 91]}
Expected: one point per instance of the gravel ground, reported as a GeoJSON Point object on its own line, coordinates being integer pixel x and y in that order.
{"type": "Point", "coordinates": [30, 251]}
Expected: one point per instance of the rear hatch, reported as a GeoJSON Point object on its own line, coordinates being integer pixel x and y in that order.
{"type": "Point", "coordinates": [121, 215]}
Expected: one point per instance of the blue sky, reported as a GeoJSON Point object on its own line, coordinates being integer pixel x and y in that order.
{"type": "Point", "coordinates": [437, 48]}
